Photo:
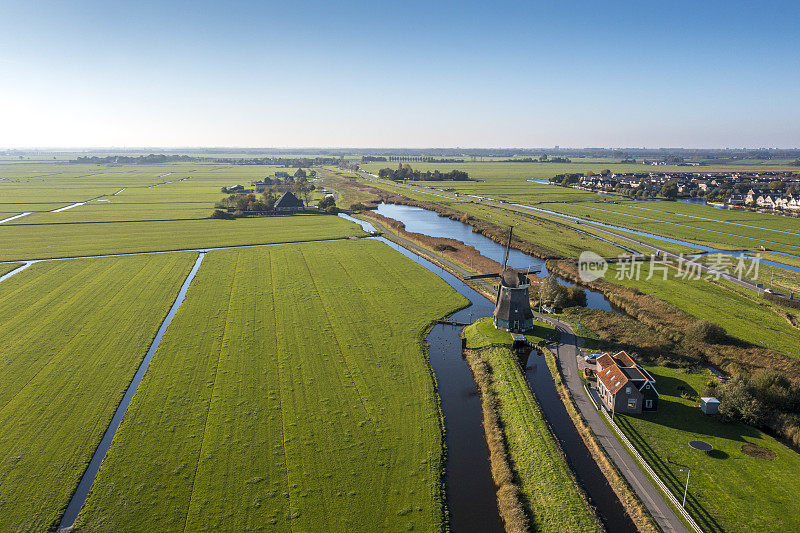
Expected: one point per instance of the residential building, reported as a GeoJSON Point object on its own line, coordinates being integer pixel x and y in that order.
{"type": "Point", "coordinates": [624, 386]}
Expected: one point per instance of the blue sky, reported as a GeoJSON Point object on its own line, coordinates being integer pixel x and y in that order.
{"type": "Point", "coordinates": [527, 74]}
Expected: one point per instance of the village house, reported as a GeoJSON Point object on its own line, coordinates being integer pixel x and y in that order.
{"type": "Point", "coordinates": [624, 386]}
{"type": "Point", "coordinates": [288, 202]}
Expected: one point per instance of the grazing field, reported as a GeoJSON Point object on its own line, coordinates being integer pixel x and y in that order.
{"type": "Point", "coordinates": [64, 240]}
{"type": "Point", "coordinates": [508, 180]}
{"type": "Point", "coordinates": [550, 496]}
{"type": "Point", "coordinates": [8, 267]}
{"type": "Point", "coordinates": [750, 318]}
{"type": "Point", "coordinates": [729, 490]}
{"type": "Point", "coordinates": [74, 333]}
{"type": "Point", "coordinates": [712, 233]}
{"type": "Point", "coordinates": [291, 392]}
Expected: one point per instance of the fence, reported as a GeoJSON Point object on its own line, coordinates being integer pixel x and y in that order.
{"type": "Point", "coordinates": [652, 474]}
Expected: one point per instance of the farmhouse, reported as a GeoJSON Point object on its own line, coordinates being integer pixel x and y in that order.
{"type": "Point", "coordinates": [289, 202]}
{"type": "Point", "coordinates": [624, 386]}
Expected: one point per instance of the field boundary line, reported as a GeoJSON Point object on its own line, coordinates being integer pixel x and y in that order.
{"type": "Point", "coordinates": [652, 473]}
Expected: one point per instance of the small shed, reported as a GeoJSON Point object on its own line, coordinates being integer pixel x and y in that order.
{"type": "Point", "coordinates": [709, 405]}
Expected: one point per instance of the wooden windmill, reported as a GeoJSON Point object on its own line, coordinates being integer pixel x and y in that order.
{"type": "Point", "coordinates": [512, 312]}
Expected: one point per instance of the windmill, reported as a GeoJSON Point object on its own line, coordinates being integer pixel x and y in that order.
{"type": "Point", "coordinates": [512, 312]}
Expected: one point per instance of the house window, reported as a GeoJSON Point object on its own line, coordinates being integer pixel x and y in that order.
{"type": "Point", "coordinates": [627, 390]}
{"type": "Point", "coordinates": [648, 404]}
{"type": "Point", "coordinates": [632, 403]}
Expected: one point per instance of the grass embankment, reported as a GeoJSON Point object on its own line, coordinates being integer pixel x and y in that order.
{"type": "Point", "coordinates": [729, 490]}
{"type": "Point", "coordinates": [530, 471]}
{"type": "Point", "coordinates": [752, 319]}
{"type": "Point", "coordinates": [59, 240]}
{"type": "Point", "coordinates": [291, 392]}
{"type": "Point", "coordinates": [73, 335]}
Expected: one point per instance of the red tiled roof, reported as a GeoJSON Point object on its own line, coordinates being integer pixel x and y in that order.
{"type": "Point", "coordinates": [613, 378]}
{"type": "Point", "coordinates": [624, 358]}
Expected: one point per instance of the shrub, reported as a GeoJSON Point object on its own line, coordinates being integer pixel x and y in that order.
{"type": "Point", "coordinates": [445, 248]}
{"type": "Point", "coordinates": [222, 215]}
{"type": "Point", "coordinates": [705, 331]}
{"type": "Point", "coordinates": [739, 402]}
{"type": "Point", "coordinates": [331, 209]}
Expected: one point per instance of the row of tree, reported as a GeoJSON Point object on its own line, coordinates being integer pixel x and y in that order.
{"type": "Point", "coordinates": [405, 172]}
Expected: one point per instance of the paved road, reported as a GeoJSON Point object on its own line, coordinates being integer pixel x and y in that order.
{"type": "Point", "coordinates": [568, 354]}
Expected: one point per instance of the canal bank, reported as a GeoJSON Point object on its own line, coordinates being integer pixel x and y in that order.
{"type": "Point", "coordinates": [461, 407]}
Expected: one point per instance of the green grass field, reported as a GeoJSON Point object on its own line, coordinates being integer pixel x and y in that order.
{"type": "Point", "coordinates": [291, 392]}
{"type": "Point", "coordinates": [142, 217]}
{"type": "Point", "coordinates": [751, 319]}
{"type": "Point", "coordinates": [483, 333]}
{"type": "Point", "coordinates": [8, 267]}
{"type": "Point", "coordinates": [549, 492]}
{"type": "Point", "coordinates": [64, 240]}
{"type": "Point", "coordinates": [73, 335]}
{"type": "Point", "coordinates": [728, 489]}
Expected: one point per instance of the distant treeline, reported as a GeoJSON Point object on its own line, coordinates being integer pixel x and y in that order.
{"type": "Point", "coordinates": [542, 159]}
{"type": "Point", "coordinates": [405, 172]}
{"type": "Point", "coordinates": [410, 158]}
{"type": "Point", "coordinates": [151, 159]}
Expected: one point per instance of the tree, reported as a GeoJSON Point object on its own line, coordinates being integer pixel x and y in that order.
{"type": "Point", "coordinates": [326, 202]}
{"type": "Point", "coordinates": [670, 190]}
{"type": "Point", "coordinates": [776, 185]}
{"type": "Point", "coordinates": [739, 402]}
{"type": "Point", "coordinates": [794, 190]}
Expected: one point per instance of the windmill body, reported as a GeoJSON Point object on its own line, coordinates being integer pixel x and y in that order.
{"type": "Point", "coordinates": [512, 311]}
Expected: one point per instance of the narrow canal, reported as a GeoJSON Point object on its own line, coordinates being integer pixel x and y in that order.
{"type": "Point", "coordinates": [471, 496]}
{"type": "Point", "coordinates": [419, 220]}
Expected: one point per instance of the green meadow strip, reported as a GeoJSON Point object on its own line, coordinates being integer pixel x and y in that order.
{"type": "Point", "coordinates": [291, 392]}
{"type": "Point", "coordinates": [73, 335]}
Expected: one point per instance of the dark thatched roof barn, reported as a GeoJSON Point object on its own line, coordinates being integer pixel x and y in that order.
{"type": "Point", "coordinates": [289, 202]}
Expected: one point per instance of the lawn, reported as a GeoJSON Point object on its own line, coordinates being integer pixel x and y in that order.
{"type": "Point", "coordinates": [291, 392]}
{"type": "Point", "coordinates": [483, 333]}
{"type": "Point", "coordinates": [73, 335]}
{"type": "Point", "coordinates": [728, 489]}
{"type": "Point", "coordinates": [551, 498]}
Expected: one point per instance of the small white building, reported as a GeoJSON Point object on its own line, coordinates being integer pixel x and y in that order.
{"type": "Point", "coordinates": [709, 405]}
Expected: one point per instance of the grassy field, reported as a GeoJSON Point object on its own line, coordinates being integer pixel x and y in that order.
{"type": "Point", "coordinates": [142, 208]}
{"type": "Point", "coordinates": [64, 240]}
{"type": "Point", "coordinates": [291, 392]}
{"type": "Point", "coordinates": [728, 489]}
{"type": "Point", "coordinates": [8, 267]}
{"type": "Point", "coordinates": [550, 496]}
{"type": "Point", "coordinates": [751, 319]}
{"type": "Point", "coordinates": [711, 233]}
{"type": "Point", "coordinates": [73, 335]}
{"type": "Point", "coordinates": [483, 333]}
{"type": "Point", "coordinates": [681, 220]}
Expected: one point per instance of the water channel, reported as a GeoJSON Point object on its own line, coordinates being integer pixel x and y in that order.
{"type": "Point", "coordinates": [419, 220]}
{"type": "Point", "coordinates": [471, 497]}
